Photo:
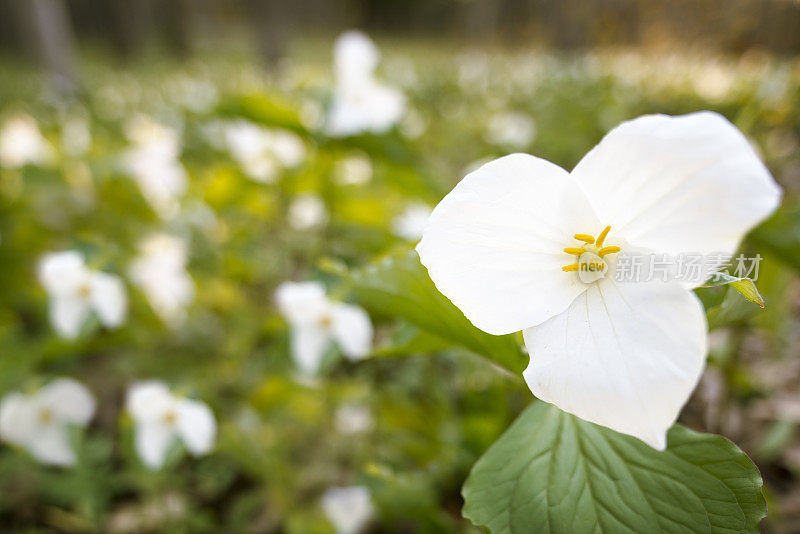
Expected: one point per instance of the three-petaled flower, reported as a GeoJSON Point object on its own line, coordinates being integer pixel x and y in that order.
{"type": "Point", "coordinates": [160, 271]}
{"type": "Point", "coordinates": [520, 244]}
{"type": "Point", "coordinates": [75, 291]}
{"type": "Point", "coordinates": [348, 508]}
{"type": "Point", "coordinates": [361, 103]}
{"type": "Point", "coordinates": [40, 421]}
{"type": "Point", "coordinates": [317, 321]}
{"type": "Point", "coordinates": [163, 418]}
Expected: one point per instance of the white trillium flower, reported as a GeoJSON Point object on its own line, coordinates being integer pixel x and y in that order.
{"type": "Point", "coordinates": [21, 143]}
{"type": "Point", "coordinates": [513, 130]}
{"type": "Point", "coordinates": [353, 170]}
{"type": "Point", "coordinates": [361, 103]}
{"type": "Point", "coordinates": [75, 291]}
{"type": "Point", "coordinates": [76, 135]}
{"type": "Point", "coordinates": [40, 422]}
{"type": "Point", "coordinates": [349, 509]}
{"type": "Point", "coordinates": [262, 152]}
{"type": "Point", "coordinates": [353, 418]}
{"type": "Point", "coordinates": [154, 163]}
{"type": "Point", "coordinates": [307, 211]}
{"type": "Point", "coordinates": [317, 321]}
{"type": "Point", "coordinates": [410, 224]}
{"type": "Point", "coordinates": [160, 271]}
{"type": "Point", "coordinates": [507, 246]}
{"type": "Point", "coordinates": [162, 418]}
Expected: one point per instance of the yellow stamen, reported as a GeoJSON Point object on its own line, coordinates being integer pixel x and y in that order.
{"type": "Point", "coordinates": [584, 237]}
{"type": "Point", "coordinates": [575, 250]}
{"type": "Point", "coordinates": [573, 267]}
{"type": "Point", "coordinates": [602, 236]}
{"type": "Point", "coordinates": [608, 250]}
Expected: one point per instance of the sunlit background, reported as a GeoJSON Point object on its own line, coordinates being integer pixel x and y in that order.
{"type": "Point", "coordinates": [203, 152]}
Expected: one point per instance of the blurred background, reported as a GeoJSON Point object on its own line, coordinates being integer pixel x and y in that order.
{"type": "Point", "coordinates": [206, 151]}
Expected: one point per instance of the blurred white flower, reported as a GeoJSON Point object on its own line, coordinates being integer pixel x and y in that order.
{"type": "Point", "coordinates": [349, 509]}
{"type": "Point", "coordinates": [262, 152]}
{"type": "Point", "coordinates": [714, 82]}
{"type": "Point", "coordinates": [40, 421]}
{"type": "Point", "coordinates": [194, 94]}
{"type": "Point", "coordinates": [75, 291]}
{"type": "Point", "coordinates": [76, 136]}
{"type": "Point", "coordinates": [353, 170]}
{"type": "Point", "coordinates": [473, 71]}
{"type": "Point", "coordinates": [312, 114]}
{"type": "Point", "coordinates": [160, 271]}
{"type": "Point", "coordinates": [355, 57]}
{"type": "Point", "coordinates": [511, 130]}
{"type": "Point", "coordinates": [413, 124]}
{"type": "Point", "coordinates": [162, 418]}
{"type": "Point", "coordinates": [317, 321]}
{"type": "Point", "coordinates": [307, 211]}
{"type": "Point", "coordinates": [410, 224]}
{"type": "Point", "coordinates": [21, 143]}
{"type": "Point", "coordinates": [353, 418]}
{"type": "Point", "coordinates": [623, 350]}
{"type": "Point", "coordinates": [361, 103]}
{"type": "Point", "coordinates": [154, 163]}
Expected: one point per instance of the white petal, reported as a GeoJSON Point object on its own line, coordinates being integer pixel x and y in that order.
{"type": "Point", "coordinates": [349, 508]}
{"type": "Point", "coordinates": [687, 184]}
{"type": "Point", "coordinates": [148, 400]}
{"type": "Point", "coordinates": [68, 313]}
{"type": "Point", "coordinates": [352, 330]}
{"type": "Point", "coordinates": [68, 400]}
{"type": "Point", "coordinates": [109, 298]}
{"type": "Point", "coordinates": [51, 445]}
{"type": "Point", "coordinates": [62, 272]}
{"type": "Point", "coordinates": [301, 302]}
{"type": "Point", "coordinates": [309, 344]}
{"type": "Point", "coordinates": [196, 426]}
{"type": "Point", "coordinates": [365, 106]}
{"type": "Point", "coordinates": [17, 418]}
{"type": "Point", "coordinates": [153, 441]}
{"type": "Point", "coordinates": [355, 56]}
{"type": "Point", "coordinates": [494, 245]}
{"type": "Point", "coordinates": [624, 355]}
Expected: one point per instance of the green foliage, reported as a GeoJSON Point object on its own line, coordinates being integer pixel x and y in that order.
{"type": "Point", "coordinates": [399, 285]}
{"type": "Point", "coordinates": [552, 472]}
{"type": "Point", "coordinates": [745, 286]}
{"type": "Point", "coordinates": [435, 406]}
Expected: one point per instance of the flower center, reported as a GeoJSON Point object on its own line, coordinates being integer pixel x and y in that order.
{"type": "Point", "coordinates": [45, 415]}
{"type": "Point", "coordinates": [170, 417]}
{"type": "Point", "coordinates": [591, 265]}
{"type": "Point", "coordinates": [325, 321]}
{"type": "Point", "coordinates": [84, 291]}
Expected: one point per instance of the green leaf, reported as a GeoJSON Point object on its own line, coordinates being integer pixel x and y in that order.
{"type": "Point", "coordinates": [269, 110]}
{"type": "Point", "coordinates": [732, 310]}
{"type": "Point", "coordinates": [781, 235]}
{"type": "Point", "coordinates": [553, 472]}
{"type": "Point", "coordinates": [408, 339]}
{"type": "Point", "coordinates": [398, 286]}
{"type": "Point", "coordinates": [744, 286]}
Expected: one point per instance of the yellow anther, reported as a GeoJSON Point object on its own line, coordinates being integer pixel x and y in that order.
{"type": "Point", "coordinates": [573, 267]}
{"type": "Point", "coordinates": [585, 238]}
{"type": "Point", "coordinates": [602, 236]}
{"type": "Point", "coordinates": [608, 250]}
{"type": "Point", "coordinates": [575, 250]}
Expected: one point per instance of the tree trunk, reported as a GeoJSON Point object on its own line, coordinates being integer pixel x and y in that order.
{"type": "Point", "coordinates": [46, 30]}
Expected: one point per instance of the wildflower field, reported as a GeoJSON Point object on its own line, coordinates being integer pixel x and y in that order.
{"type": "Point", "coordinates": [213, 318]}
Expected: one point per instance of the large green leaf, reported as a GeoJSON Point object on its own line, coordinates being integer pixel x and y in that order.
{"type": "Point", "coordinates": [553, 472]}
{"type": "Point", "coordinates": [398, 286]}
